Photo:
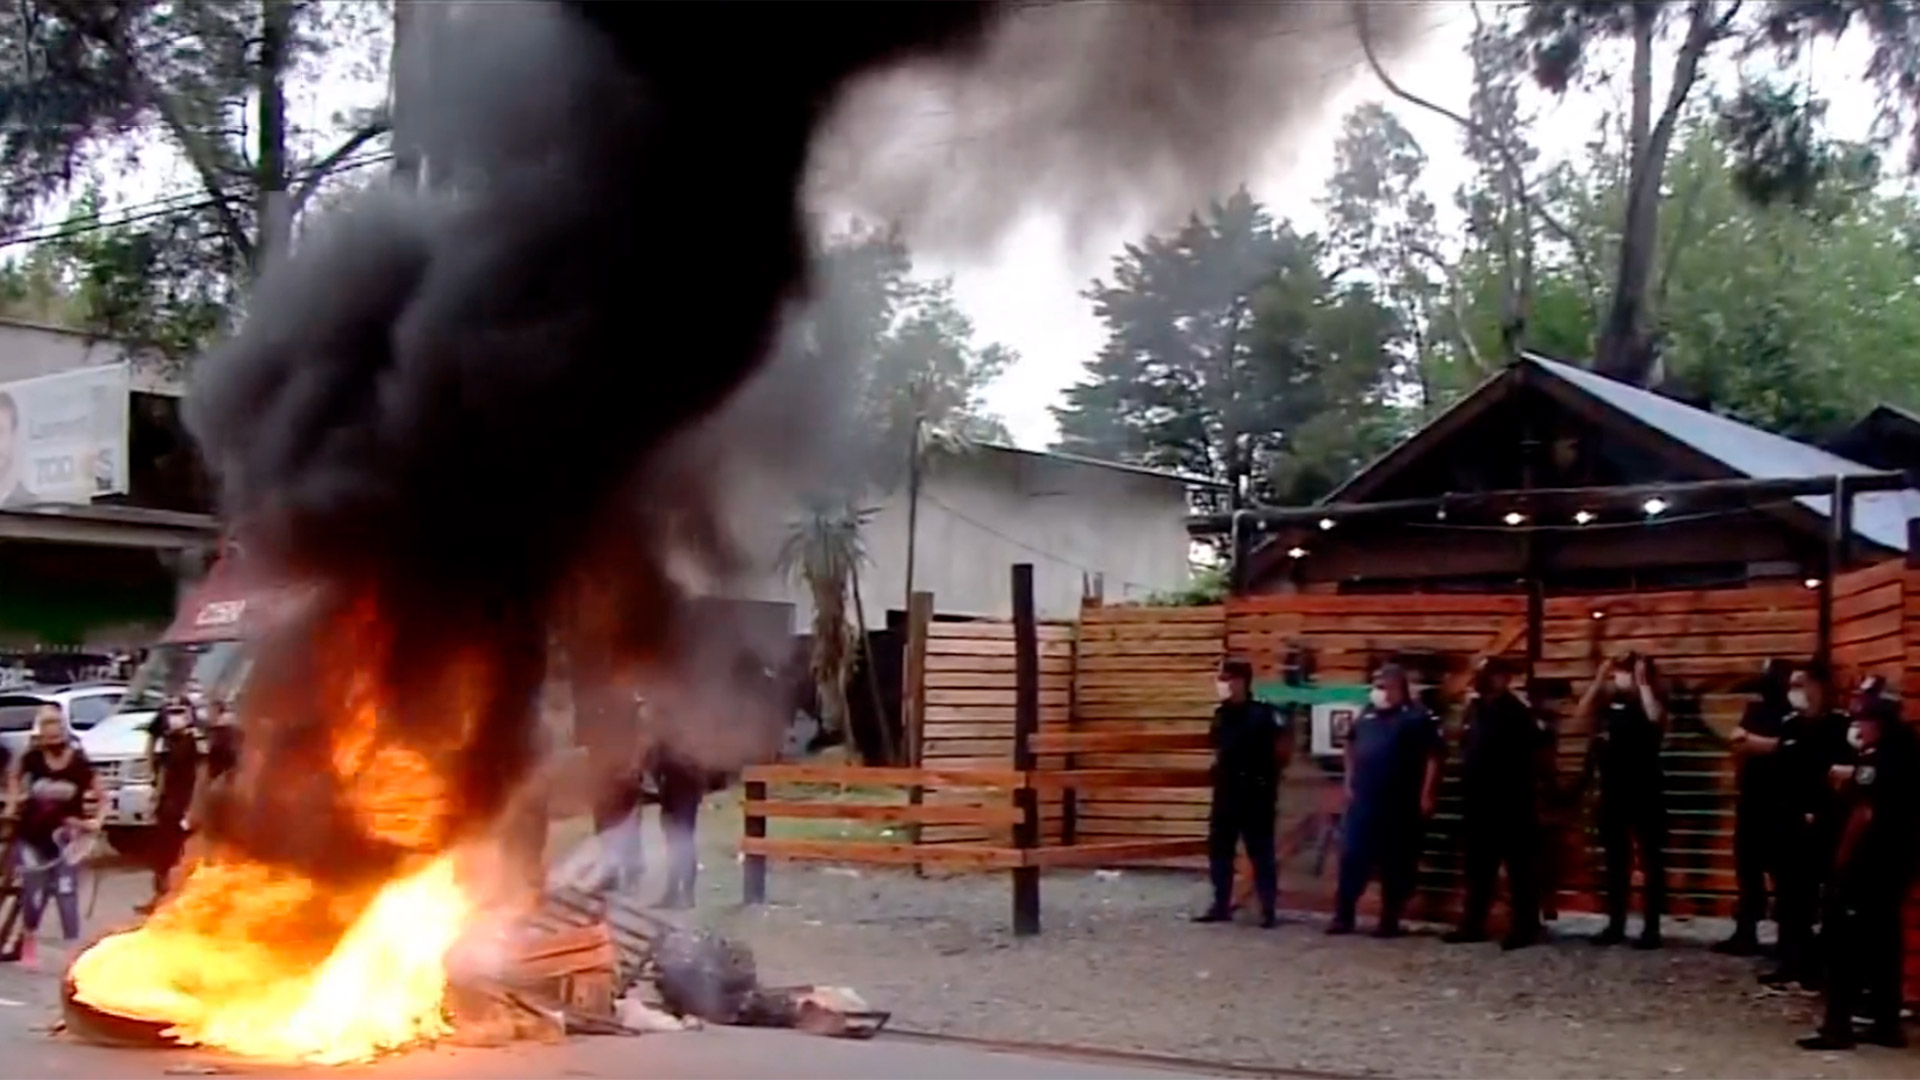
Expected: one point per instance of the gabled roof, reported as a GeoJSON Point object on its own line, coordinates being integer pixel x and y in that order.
{"type": "Point", "coordinates": [1742, 450]}
{"type": "Point", "coordinates": [1168, 475]}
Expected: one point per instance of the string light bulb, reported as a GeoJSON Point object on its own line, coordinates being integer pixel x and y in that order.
{"type": "Point", "coordinates": [1296, 552]}
{"type": "Point", "coordinates": [1325, 524]}
{"type": "Point", "coordinates": [1581, 517]}
{"type": "Point", "coordinates": [1812, 583]}
{"type": "Point", "coordinates": [1654, 506]}
{"type": "Point", "coordinates": [1514, 517]}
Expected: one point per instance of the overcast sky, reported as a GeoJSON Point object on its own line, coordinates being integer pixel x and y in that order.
{"type": "Point", "coordinates": [1025, 292]}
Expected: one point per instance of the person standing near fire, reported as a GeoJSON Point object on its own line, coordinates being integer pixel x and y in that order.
{"type": "Point", "coordinates": [1624, 710]}
{"type": "Point", "coordinates": [1762, 817]}
{"type": "Point", "coordinates": [1393, 757]}
{"type": "Point", "coordinates": [1873, 866]}
{"type": "Point", "coordinates": [1251, 745]}
{"type": "Point", "coordinates": [175, 762]}
{"type": "Point", "coordinates": [1498, 780]}
{"type": "Point", "coordinates": [50, 791]}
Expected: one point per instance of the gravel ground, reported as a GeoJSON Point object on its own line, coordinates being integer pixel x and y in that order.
{"type": "Point", "coordinates": [1117, 966]}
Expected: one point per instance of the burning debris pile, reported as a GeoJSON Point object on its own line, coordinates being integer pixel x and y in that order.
{"type": "Point", "coordinates": [580, 965]}
{"type": "Point", "coordinates": [454, 411]}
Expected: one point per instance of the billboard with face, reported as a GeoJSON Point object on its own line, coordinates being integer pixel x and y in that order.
{"type": "Point", "coordinates": [63, 438]}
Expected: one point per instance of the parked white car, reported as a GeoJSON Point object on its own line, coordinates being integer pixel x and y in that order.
{"type": "Point", "coordinates": [84, 705]}
{"type": "Point", "coordinates": [117, 746]}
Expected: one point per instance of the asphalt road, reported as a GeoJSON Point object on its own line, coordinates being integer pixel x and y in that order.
{"type": "Point", "coordinates": [713, 1054]}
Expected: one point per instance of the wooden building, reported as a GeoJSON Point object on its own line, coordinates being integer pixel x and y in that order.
{"type": "Point", "coordinates": [1549, 427]}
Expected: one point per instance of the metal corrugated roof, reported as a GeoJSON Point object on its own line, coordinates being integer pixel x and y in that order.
{"type": "Point", "coordinates": [1879, 516]}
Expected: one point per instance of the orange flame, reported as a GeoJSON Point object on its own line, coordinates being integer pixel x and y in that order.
{"type": "Point", "coordinates": [211, 965]}
{"type": "Point", "coordinates": [269, 964]}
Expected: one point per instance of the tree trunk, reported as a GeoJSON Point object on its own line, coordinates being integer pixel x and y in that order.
{"type": "Point", "coordinates": [274, 226]}
{"type": "Point", "coordinates": [1628, 350]}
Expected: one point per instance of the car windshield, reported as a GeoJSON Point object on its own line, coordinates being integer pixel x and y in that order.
{"type": "Point", "coordinates": [217, 667]}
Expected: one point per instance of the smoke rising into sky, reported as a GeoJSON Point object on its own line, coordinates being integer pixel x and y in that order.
{"type": "Point", "coordinates": [466, 408]}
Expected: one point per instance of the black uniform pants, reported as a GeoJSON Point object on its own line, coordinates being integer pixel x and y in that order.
{"type": "Point", "coordinates": [1243, 817]}
{"type": "Point", "coordinates": [1804, 856]}
{"type": "Point", "coordinates": [1378, 842]}
{"type": "Point", "coordinates": [1502, 832]}
{"type": "Point", "coordinates": [1862, 939]}
{"type": "Point", "coordinates": [1630, 821]}
{"type": "Point", "coordinates": [1762, 850]}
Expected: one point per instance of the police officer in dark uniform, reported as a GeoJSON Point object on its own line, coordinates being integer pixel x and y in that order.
{"type": "Point", "coordinates": [1624, 710]}
{"type": "Point", "coordinates": [1501, 753]}
{"type": "Point", "coordinates": [1251, 745]}
{"type": "Point", "coordinates": [1873, 866]}
{"type": "Point", "coordinates": [1762, 816]}
{"type": "Point", "coordinates": [1812, 740]}
{"type": "Point", "coordinates": [1393, 774]}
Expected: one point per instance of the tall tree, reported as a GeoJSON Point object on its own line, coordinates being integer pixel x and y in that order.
{"type": "Point", "coordinates": [1381, 221]}
{"type": "Point", "coordinates": [1232, 354]}
{"type": "Point", "coordinates": [209, 80]}
{"type": "Point", "coordinates": [1676, 39]}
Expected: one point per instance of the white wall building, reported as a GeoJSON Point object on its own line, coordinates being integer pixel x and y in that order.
{"type": "Point", "coordinates": [984, 510]}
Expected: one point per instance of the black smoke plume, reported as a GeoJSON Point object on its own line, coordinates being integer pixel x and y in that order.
{"type": "Point", "coordinates": [480, 410]}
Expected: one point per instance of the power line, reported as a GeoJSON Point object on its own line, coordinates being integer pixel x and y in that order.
{"type": "Point", "coordinates": [169, 205]}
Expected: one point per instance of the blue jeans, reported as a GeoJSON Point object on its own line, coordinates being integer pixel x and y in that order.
{"type": "Point", "coordinates": [58, 878]}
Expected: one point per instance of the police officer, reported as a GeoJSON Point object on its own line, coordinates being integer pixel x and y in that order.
{"type": "Point", "coordinates": [1501, 752]}
{"type": "Point", "coordinates": [1812, 740]}
{"type": "Point", "coordinates": [1251, 745]}
{"type": "Point", "coordinates": [1393, 774]}
{"type": "Point", "coordinates": [1873, 865]}
{"type": "Point", "coordinates": [1624, 710]}
{"type": "Point", "coordinates": [1762, 818]}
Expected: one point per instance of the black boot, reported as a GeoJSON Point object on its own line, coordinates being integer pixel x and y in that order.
{"type": "Point", "coordinates": [1467, 934]}
{"type": "Point", "coordinates": [1614, 934]}
{"type": "Point", "coordinates": [1214, 915]}
{"type": "Point", "coordinates": [1827, 1040]}
{"type": "Point", "coordinates": [1649, 938]}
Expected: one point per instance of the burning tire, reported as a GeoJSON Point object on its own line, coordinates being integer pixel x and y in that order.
{"type": "Point", "coordinates": [109, 1029]}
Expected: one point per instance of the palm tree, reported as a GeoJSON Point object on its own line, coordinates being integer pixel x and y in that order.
{"type": "Point", "coordinates": [824, 549]}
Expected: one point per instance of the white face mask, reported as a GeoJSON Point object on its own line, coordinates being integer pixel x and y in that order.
{"type": "Point", "coordinates": [1223, 690]}
{"type": "Point", "coordinates": [1622, 681]}
{"type": "Point", "coordinates": [1797, 699]}
{"type": "Point", "coordinates": [1854, 738]}
{"type": "Point", "coordinates": [1378, 697]}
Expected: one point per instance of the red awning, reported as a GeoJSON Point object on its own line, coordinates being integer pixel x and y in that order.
{"type": "Point", "coordinates": [226, 605]}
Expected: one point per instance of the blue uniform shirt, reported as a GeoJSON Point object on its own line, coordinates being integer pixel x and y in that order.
{"type": "Point", "coordinates": [1390, 751]}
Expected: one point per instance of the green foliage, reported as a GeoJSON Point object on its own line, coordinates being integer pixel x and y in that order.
{"type": "Point", "coordinates": [1207, 586]}
{"type": "Point", "coordinates": [1234, 353]}
{"type": "Point", "coordinates": [95, 87]}
{"type": "Point", "coordinates": [823, 551]}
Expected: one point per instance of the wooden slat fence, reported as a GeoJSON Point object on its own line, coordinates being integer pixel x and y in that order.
{"type": "Point", "coordinates": [1144, 680]}
{"type": "Point", "coordinates": [970, 707]}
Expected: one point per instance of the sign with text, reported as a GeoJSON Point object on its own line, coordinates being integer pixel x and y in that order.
{"type": "Point", "coordinates": [63, 438]}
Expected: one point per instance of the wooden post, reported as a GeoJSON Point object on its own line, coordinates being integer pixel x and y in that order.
{"type": "Point", "coordinates": [753, 876]}
{"type": "Point", "coordinates": [1026, 724]}
{"type": "Point", "coordinates": [913, 699]}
